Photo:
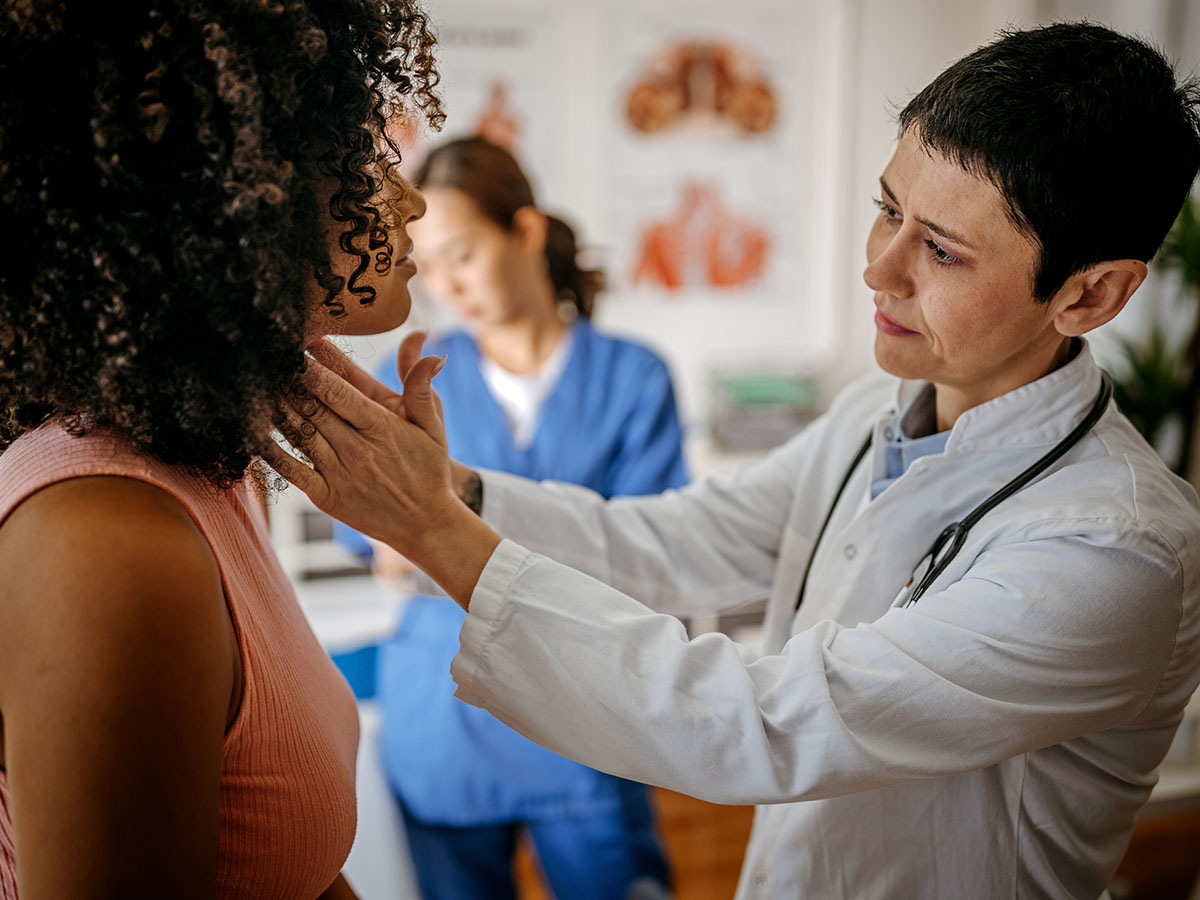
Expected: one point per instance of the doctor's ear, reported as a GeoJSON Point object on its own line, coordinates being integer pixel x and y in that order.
{"type": "Point", "coordinates": [529, 230]}
{"type": "Point", "coordinates": [1094, 296]}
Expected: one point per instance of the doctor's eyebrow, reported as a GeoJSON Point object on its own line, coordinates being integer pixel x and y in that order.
{"type": "Point", "coordinates": [937, 229]}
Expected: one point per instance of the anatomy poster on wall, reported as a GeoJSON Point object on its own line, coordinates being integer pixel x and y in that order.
{"type": "Point", "coordinates": [677, 137]}
{"type": "Point", "coordinates": [711, 149]}
{"type": "Point", "coordinates": [701, 242]}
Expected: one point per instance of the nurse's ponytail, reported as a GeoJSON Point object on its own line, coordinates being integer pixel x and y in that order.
{"type": "Point", "coordinates": [491, 177]}
{"type": "Point", "coordinates": [572, 282]}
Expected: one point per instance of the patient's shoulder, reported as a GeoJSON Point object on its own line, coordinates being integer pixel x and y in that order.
{"type": "Point", "coordinates": [105, 560]}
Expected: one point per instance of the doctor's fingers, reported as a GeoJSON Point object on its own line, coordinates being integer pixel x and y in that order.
{"type": "Point", "coordinates": [345, 463]}
{"type": "Point", "coordinates": [301, 475]}
{"type": "Point", "coordinates": [355, 462]}
{"type": "Point", "coordinates": [299, 468]}
{"type": "Point", "coordinates": [408, 356]}
{"type": "Point", "coordinates": [333, 359]}
{"type": "Point", "coordinates": [422, 406]}
{"type": "Point", "coordinates": [408, 353]}
{"type": "Point", "coordinates": [301, 431]}
{"type": "Point", "coordinates": [343, 403]}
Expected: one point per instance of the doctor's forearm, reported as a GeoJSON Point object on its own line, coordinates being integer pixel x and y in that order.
{"type": "Point", "coordinates": [453, 550]}
{"type": "Point", "coordinates": [660, 549]}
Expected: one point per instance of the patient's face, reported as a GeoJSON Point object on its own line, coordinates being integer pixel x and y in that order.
{"type": "Point", "coordinates": [388, 272]}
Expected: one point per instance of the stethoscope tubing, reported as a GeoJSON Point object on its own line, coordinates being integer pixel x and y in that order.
{"type": "Point", "coordinates": [951, 539]}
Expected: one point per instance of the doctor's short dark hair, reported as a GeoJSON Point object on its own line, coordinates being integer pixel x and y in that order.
{"type": "Point", "coordinates": [1088, 134]}
{"type": "Point", "coordinates": [169, 170]}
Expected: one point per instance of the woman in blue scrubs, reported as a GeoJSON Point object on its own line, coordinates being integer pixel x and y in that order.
{"type": "Point", "coordinates": [530, 388]}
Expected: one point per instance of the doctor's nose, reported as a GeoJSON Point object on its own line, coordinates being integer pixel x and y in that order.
{"type": "Point", "coordinates": [888, 265]}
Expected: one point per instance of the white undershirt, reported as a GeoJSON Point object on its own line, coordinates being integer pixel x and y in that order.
{"type": "Point", "coordinates": [521, 397]}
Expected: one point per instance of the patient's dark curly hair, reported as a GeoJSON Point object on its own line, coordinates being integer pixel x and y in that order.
{"type": "Point", "coordinates": [168, 171]}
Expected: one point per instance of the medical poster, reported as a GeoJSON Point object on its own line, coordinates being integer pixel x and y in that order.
{"type": "Point", "coordinates": [677, 137]}
{"type": "Point", "coordinates": [710, 145]}
{"type": "Point", "coordinates": [701, 242]}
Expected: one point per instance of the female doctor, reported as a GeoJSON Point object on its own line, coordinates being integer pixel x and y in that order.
{"type": "Point", "coordinates": [532, 389]}
{"type": "Point", "coordinates": [992, 739]}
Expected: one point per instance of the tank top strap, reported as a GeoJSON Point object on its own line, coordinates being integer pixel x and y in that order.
{"type": "Point", "coordinates": [51, 454]}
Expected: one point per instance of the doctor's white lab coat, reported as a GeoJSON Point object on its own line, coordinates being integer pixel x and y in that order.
{"type": "Point", "coordinates": [993, 741]}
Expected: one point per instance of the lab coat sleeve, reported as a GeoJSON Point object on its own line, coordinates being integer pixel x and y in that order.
{"type": "Point", "coordinates": [1051, 636]}
{"type": "Point", "coordinates": [710, 546]}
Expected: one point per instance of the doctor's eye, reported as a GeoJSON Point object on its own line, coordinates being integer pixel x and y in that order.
{"type": "Point", "coordinates": [887, 209]}
{"type": "Point", "coordinates": [940, 256]}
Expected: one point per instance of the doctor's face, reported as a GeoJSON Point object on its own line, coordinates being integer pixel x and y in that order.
{"type": "Point", "coordinates": [953, 283]}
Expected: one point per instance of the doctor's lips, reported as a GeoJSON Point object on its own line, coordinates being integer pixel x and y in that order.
{"type": "Point", "coordinates": [888, 325]}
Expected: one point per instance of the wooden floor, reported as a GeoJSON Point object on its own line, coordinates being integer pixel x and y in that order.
{"type": "Point", "coordinates": [1163, 861]}
{"type": "Point", "coordinates": [705, 844]}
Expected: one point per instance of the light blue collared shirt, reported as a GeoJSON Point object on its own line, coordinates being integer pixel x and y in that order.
{"type": "Point", "coordinates": [901, 449]}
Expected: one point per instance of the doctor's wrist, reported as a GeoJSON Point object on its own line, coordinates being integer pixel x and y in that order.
{"type": "Point", "coordinates": [468, 486]}
{"type": "Point", "coordinates": [453, 548]}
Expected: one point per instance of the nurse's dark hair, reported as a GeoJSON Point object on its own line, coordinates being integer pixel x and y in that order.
{"type": "Point", "coordinates": [1089, 135]}
{"type": "Point", "coordinates": [169, 170]}
{"type": "Point", "coordinates": [493, 179]}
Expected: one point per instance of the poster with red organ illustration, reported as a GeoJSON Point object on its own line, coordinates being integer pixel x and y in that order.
{"type": "Point", "coordinates": [701, 243]}
{"type": "Point", "coordinates": [712, 151]}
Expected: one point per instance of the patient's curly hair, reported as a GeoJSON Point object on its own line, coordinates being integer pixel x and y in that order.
{"type": "Point", "coordinates": [166, 169]}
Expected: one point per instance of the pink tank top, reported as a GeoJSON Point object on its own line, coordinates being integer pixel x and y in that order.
{"type": "Point", "coordinates": [287, 770]}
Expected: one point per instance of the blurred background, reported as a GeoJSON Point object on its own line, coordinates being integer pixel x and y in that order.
{"type": "Point", "coordinates": [718, 160]}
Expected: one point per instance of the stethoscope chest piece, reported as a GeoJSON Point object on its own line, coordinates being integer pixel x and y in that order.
{"type": "Point", "coordinates": [933, 563]}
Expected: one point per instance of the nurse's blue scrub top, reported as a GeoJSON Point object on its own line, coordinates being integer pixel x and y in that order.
{"type": "Point", "coordinates": [609, 424]}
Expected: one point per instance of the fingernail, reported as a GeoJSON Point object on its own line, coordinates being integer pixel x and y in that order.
{"type": "Point", "coordinates": [441, 362]}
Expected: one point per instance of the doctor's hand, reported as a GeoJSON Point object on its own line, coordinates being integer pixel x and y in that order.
{"type": "Point", "coordinates": [466, 481]}
{"type": "Point", "coordinates": [407, 356]}
{"type": "Point", "coordinates": [379, 463]}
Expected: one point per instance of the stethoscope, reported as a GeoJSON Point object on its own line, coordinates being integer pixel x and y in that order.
{"type": "Point", "coordinates": [954, 535]}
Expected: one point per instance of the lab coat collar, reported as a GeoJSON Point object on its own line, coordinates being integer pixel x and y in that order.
{"type": "Point", "coordinates": [1039, 413]}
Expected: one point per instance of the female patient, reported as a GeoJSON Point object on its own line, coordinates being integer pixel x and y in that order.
{"type": "Point", "coordinates": [190, 193]}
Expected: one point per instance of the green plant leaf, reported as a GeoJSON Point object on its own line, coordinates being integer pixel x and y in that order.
{"type": "Point", "coordinates": [1151, 386]}
{"type": "Point", "coordinates": [1181, 249]}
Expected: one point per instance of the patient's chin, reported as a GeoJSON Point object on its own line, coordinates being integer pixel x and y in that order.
{"type": "Point", "coordinates": [387, 311]}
